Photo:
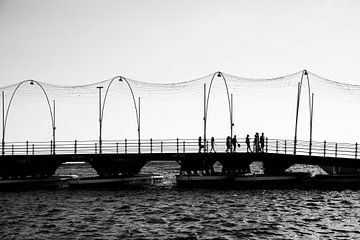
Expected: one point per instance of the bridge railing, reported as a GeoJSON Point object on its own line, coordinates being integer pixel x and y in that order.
{"type": "Point", "coordinates": [181, 145]}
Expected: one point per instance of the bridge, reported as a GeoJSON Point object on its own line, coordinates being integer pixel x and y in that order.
{"type": "Point", "coordinates": [127, 157]}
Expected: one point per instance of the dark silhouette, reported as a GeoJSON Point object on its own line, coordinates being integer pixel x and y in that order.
{"type": "Point", "coordinates": [200, 145]}
{"type": "Point", "coordinates": [234, 143]}
{"type": "Point", "coordinates": [228, 143]}
{"type": "Point", "coordinates": [256, 143]}
{"type": "Point", "coordinates": [212, 144]}
{"type": "Point", "coordinates": [262, 142]}
{"type": "Point", "coordinates": [248, 148]}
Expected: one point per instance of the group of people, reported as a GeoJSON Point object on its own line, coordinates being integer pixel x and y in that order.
{"type": "Point", "coordinates": [258, 143]}
{"type": "Point", "coordinates": [232, 144]}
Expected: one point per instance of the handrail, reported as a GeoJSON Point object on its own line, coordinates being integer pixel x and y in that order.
{"type": "Point", "coordinates": [178, 145]}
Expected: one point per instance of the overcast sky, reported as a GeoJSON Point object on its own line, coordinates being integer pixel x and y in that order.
{"type": "Point", "coordinates": [71, 42]}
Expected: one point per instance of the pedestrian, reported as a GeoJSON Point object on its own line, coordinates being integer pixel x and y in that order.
{"type": "Point", "coordinates": [200, 145]}
{"type": "Point", "coordinates": [234, 143]}
{"type": "Point", "coordinates": [228, 143]}
{"type": "Point", "coordinates": [256, 143]}
{"type": "Point", "coordinates": [262, 142]}
{"type": "Point", "coordinates": [248, 148]}
{"type": "Point", "coordinates": [212, 144]}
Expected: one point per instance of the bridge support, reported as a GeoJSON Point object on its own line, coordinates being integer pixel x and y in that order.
{"type": "Point", "coordinates": [113, 165]}
{"type": "Point", "coordinates": [233, 164]}
{"type": "Point", "coordinates": [25, 166]}
{"type": "Point", "coordinates": [197, 164]}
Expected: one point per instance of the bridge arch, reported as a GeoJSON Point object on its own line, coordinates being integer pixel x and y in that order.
{"type": "Point", "coordinates": [137, 111]}
{"type": "Point", "coordinates": [206, 103]}
{"type": "Point", "coordinates": [52, 114]}
{"type": "Point", "coordinates": [311, 108]}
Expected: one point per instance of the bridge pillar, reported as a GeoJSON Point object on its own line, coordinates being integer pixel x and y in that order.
{"type": "Point", "coordinates": [114, 164]}
{"type": "Point", "coordinates": [197, 164]}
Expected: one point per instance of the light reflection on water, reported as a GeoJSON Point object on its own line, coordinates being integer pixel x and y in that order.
{"type": "Point", "coordinates": [165, 212]}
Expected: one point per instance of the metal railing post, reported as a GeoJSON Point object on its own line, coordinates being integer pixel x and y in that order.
{"type": "Point", "coordinates": [27, 147]}
{"type": "Point", "coordinates": [335, 150]}
{"type": "Point", "coordinates": [161, 146]}
{"type": "Point", "coordinates": [356, 150]}
{"type": "Point", "coordinates": [33, 149]}
{"type": "Point", "coordinates": [12, 149]}
{"type": "Point", "coordinates": [125, 146]}
{"type": "Point", "coordinates": [277, 146]}
{"type": "Point", "coordinates": [177, 145]}
{"type": "Point", "coordinates": [95, 148]}
{"type": "Point", "coordinates": [75, 147]}
{"type": "Point", "coordinates": [285, 146]}
{"type": "Point", "coordinates": [151, 145]}
{"type": "Point", "coordinates": [266, 144]}
{"type": "Point", "coordinates": [183, 146]}
{"type": "Point", "coordinates": [117, 148]}
{"type": "Point", "coordinates": [324, 148]}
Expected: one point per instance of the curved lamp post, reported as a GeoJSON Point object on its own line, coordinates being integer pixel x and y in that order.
{"type": "Point", "coordinates": [311, 108]}
{"type": "Point", "coordinates": [5, 116]}
{"type": "Point", "coordinates": [102, 106]}
{"type": "Point", "coordinates": [206, 104]}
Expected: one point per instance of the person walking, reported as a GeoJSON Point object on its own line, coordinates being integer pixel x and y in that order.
{"type": "Point", "coordinates": [256, 143]}
{"type": "Point", "coordinates": [262, 142]}
{"type": "Point", "coordinates": [234, 143]}
{"type": "Point", "coordinates": [228, 143]}
{"type": "Point", "coordinates": [247, 140]}
{"type": "Point", "coordinates": [212, 144]}
{"type": "Point", "coordinates": [200, 145]}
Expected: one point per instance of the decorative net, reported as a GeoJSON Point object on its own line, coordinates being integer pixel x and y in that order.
{"type": "Point", "coordinates": [177, 109]}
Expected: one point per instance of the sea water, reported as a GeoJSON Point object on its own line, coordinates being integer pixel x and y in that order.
{"type": "Point", "coordinates": [167, 212]}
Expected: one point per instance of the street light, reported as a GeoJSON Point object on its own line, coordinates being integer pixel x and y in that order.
{"type": "Point", "coordinates": [206, 104]}
{"type": "Point", "coordinates": [100, 120]}
{"type": "Point", "coordinates": [5, 116]}
{"type": "Point", "coordinates": [102, 107]}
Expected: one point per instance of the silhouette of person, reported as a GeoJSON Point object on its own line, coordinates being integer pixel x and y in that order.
{"type": "Point", "coordinates": [212, 144]}
{"type": "Point", "coordinates": [228, 143]}
{"type": "Point", "coordinates": [262, 142]}
{"type": "Point", "coordinates": [234, 143]}
{"type": "Point", "coordinates": [200, 145]}
{"type": "Point", "coordinates": [248, 148]}
{"type": "Point", "coordinates": [256, 143]}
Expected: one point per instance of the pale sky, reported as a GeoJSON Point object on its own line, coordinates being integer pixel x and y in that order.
{"type": "Point", "coordinates": [71, 42]}
{"type": "Point", "coordinates": [68, 42]}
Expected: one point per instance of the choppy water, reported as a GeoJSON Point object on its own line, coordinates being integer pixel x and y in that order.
{"type": "Point", "coordinates": [165, 212]}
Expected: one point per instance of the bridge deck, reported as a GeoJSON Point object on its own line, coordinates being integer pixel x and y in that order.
{"type": "Point", "coordinates": [240, 157]}
{"type": "Point", "coordinates": [123, 157]}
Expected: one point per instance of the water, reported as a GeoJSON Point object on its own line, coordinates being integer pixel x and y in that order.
{"type": "Point", "coordinates": [165, 212]}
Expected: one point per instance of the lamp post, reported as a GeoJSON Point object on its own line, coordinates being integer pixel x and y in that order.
{"type": "Point", "coordinates": [5, 115]}
{"type": "Point", "coordinates": [3, 124]}
{"type": "Point", "coordinates": [137, 109]}
{"type": "Point", "coordinates": [206, 105]}
{"type": "Point", "coordinates": [100, 120]}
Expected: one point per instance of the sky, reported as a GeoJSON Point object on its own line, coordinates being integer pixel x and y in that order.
{"type": "Point", "coordinates": [77, 42]}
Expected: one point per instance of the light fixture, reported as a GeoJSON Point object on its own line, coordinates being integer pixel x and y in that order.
{"type": "Point", "coordinates": [219, 74]}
